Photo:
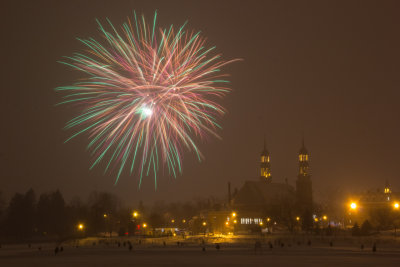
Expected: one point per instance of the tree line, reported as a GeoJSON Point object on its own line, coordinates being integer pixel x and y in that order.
{"type": "Point", "coordinates": [28, 216]}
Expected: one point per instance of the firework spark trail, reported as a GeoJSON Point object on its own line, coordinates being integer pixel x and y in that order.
{"type": "Point", "coordinates": [146, 95]}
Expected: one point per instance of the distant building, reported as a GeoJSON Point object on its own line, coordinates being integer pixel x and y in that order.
{"type": "Point", "coordinates": [263, 202]}
{"type": "Point", "coordinates": [380, 207]}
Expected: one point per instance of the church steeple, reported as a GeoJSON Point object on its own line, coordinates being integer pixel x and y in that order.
{"type": "Point", "coordinates": [265, 164]}
{"type": "Point", "coordinates": [304, 167]}
{"type": "Point", "coordinates": [387, 188]}
{"type": "Point", "coordinates": [304, 188]}
{"type": "Point", "coordinates": [388, 191]}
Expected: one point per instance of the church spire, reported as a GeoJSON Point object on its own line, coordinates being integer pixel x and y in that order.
{"type": "Point", "coordinates": [387, 188]}
{"type": "Point", "coordinates": [265, 163]}
{"type": "Point", "coordinates": [304, 188]}
{"type": "Point", "coordinates": [265, 145]}
{"type": "Point", "coordinates": [303, 160]}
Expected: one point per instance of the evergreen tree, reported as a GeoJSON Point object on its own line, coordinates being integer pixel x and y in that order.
{"type": "Point", "coordinates": [366, 228]}
{"type": "Point", "coordinates": [52, 214]}
{"type": "Point", "coordinates": [20, 216]}
{"type": "Point", "coordinates": [355, 231]}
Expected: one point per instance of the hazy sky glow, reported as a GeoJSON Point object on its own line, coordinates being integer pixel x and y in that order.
{"type": "Point", "coordinates": [329, 70]}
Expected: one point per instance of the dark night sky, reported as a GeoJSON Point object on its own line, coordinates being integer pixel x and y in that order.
{"type": "Point", "coordinates": [328, 69]}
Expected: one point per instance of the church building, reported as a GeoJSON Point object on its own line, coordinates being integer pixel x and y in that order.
{"type": "Point", "coordinates": [263, 202]}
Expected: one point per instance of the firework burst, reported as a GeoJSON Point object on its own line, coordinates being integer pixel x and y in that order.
{"type": "Point", "coordinates": [147, 94]}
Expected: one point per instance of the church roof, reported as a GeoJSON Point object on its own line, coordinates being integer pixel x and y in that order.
{"type": "Point", "coordinates": [261, 193]}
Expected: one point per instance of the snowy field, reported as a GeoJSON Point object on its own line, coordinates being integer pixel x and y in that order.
{"type": "Point", "coordinates": [230, 254]}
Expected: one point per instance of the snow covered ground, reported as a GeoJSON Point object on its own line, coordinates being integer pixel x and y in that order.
{"type": "Point", "coordinates": [151, 253]}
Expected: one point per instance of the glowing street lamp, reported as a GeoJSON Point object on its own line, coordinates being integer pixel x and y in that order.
{"type": "Point", "coordinates": [184, 221]}
{"type": "Point", "coordinates": [144, 225]}
{"type": "Point", "coordinates": [227, 223]}
{"type": "Point", "coordinates": [353, 206]}
{"type": "Point", "coordinates": [234, 221]}
{"type": "Point", "coordinates": [233, 214]}
{"type": "Point", "coordinates": [297, 218]}
{"type": "Point", "coordinates": [396, 207]}
{"type": "Point", "coordinates": [135, 214]}
{"type": "Point", "coordinates": [172, 220]}
{"type": "Point", "coordinates": [105, 215]}
{"type": "Point", "coordinates": [204, 223]}
{"type": "Point", "coordinates": [261, 223]}
{"type": "Point", "coordinates": [325, 217]}
{"type": "Point", "coordinates": [81, 227]}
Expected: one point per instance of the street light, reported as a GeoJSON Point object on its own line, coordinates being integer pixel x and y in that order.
{"type": "Point", "coordinates": [105, 215]}
{"type": "Point", "coordinates": [144, 225]}
{"type": "Point", "coordinates": [353, 205]}
{"type": "Point", "coordinates": [233, 214]}
{"type": "Point", "coordinates": [324, 217]}
{"type": "Point", "coordinates": [135, 214]}
{"type": "Point", "coordinates": [297, 218]}
{"type": "Point", "coordinates": [204, 223]}
{"type": "Point", "coordinates": [80, 226]}
{"type": "Point", "coordinates": [396, 207]}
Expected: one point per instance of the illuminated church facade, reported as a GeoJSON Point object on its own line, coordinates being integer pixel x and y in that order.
{"type": "Point", "coordinates": [263, 202]}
